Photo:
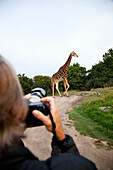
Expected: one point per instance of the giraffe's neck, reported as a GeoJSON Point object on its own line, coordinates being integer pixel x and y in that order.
{"type": "Point", "coordinates": [67, 64]}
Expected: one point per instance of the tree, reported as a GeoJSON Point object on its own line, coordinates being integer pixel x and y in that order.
{"type": "Point", "coordinates": [101, 74]}
{"type": "Point", "coordinates": [76, 76]}
{"type": "Point", "coordinates": [43, 82]}
{"type": "Point", "coordinates": [108, 62]}
{"type": "Point", "coordinates": [26, 83]}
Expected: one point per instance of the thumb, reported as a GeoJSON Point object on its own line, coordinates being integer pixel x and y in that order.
{"type": "Point", "coordinates": [39, 115]}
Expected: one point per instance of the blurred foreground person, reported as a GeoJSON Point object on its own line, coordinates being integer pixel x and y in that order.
{"type": "Point", "coordinates": [13, 111]}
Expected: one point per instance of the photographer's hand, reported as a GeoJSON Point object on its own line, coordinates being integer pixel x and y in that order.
{"type": "Point", "coordinates": [27, 96]}
{"type": "Point", "coordinates": [46, 119]}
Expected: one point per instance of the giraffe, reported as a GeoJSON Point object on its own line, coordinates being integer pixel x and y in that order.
{"type": "Point", "coordinates": [61, 75]}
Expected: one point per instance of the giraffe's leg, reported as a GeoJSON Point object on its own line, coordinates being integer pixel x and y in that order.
{"type": "Point", "coordinates": [66, 88]}
{"type": "Point", "coordinates": [58, 89]}
{"type": "Point", "coordinates": [53, 89]}
{"type": "Point", "coordinates": [53, 84]}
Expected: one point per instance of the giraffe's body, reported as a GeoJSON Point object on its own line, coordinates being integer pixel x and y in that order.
{"type": "Point", "coordinates": [61, 75]}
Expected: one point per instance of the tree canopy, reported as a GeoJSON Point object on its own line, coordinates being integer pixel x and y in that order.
{"type": "Point", "coordinates": [26, 83]}
{"type": "Point", "coordinates": [101, 74]}
{"type": "Point", "coordinates": [76, 76]}
{"type": "Point", "coordinates": [43, 82]}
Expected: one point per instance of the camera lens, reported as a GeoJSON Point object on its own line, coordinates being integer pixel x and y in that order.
{"type": "Point", "coordinates": [37, 94]}
{"type": "Point", "coordinates": [40, 90]}
{"type": "Point", "coordinates": [35, 104]}
{"type": "Point", "coordinates": [35, 97]}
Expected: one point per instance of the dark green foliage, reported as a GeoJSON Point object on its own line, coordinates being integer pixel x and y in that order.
{"type": "Point", "coordinates": [38, 81]}
{"type": "Point", "coordinates": [26, 83]}
{"type": "Point", "coordinates": [43, 82]}
{"type": "Point", "coordinates": [101, 74]}
{"type": "Point", "coordinates": [76, 76]}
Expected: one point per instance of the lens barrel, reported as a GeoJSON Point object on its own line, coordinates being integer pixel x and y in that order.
{"type": "Point", "coordinates": [35, 104]}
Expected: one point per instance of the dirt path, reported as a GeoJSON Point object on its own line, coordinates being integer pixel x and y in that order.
{"type": "Point", "coordinates": [39, 139]}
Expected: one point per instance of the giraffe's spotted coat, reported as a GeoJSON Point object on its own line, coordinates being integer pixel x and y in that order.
{"type": "Point", "coordinates": [61, 75]}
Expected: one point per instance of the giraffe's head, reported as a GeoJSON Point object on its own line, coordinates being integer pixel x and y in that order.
{"type": "Point", "coordinates": [74, 54]}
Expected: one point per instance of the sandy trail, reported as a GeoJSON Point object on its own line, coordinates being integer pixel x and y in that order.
{"type": "Point", "coordinates": [38, 139]}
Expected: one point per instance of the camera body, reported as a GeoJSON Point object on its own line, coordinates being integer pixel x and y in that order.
{"type": "Point", "coordinates": [35, 104]}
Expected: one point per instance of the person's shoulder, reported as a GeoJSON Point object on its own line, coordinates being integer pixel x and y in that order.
{"type": "Point", "coordinates": [69, 161]}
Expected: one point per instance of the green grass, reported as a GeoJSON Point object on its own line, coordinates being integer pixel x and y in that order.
{"type": "Point", "coordinates": [90, 120]}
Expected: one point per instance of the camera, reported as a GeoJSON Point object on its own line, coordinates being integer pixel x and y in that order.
{"type": "Point", "coordinates": [35, 104]}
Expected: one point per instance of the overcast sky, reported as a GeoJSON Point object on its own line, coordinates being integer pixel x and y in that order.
{"type": "Point", "coordinates": [37, 36]}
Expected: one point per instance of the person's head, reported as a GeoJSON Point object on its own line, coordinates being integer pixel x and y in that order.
{"type": "Point", "coordinates": [13, 108]}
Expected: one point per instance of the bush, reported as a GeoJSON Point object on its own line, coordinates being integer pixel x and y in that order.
{"type": "Point", "coordinates": [43, 82]}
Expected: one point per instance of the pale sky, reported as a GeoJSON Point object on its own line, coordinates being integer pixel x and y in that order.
{"type": "Point", "coordinates": [37, 36]}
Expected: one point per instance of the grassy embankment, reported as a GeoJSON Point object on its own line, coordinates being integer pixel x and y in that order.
{"type": "Point", "coordinates": [90, 120]}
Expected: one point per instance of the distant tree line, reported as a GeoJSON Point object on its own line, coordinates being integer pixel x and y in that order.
{"type": "Point", "coordinates": [99, 76]}
{"type": "Point", "coordinates": [38, 81]}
